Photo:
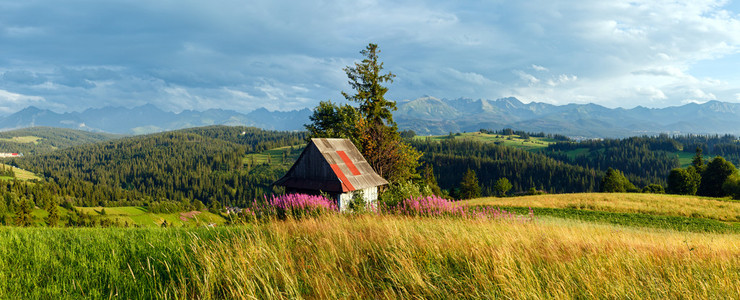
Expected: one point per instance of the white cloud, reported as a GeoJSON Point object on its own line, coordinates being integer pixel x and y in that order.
{"type": "Point", "coordinates": [650, 92]}
{"type": "Point", "coordinates": [699, 94]}
{"type": "Point", "coordinates": [6, 96]}
{"type": "Point", "coordinates": [527, 77]}
{"type": "Point", "coordinates": [539, 68]}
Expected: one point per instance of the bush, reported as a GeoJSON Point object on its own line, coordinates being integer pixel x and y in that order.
{"type": "Point", "coordinates": [654, 189]}
{"type": "Point", "coordinates": [398, 192]}
{"type": "Point", "coordinates": [358, 205]}
{"type": "Point", "coordinates": [615, 182]}
{"type": "Point", "coordinates": [732, 186]}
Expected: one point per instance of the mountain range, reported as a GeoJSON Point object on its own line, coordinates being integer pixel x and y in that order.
{"type": "Point", "coordinates": [425, 115]}
{"type": "Point", "coordinates": [429, 115]}
{"type": "Point", "coordinates": [148, 119]}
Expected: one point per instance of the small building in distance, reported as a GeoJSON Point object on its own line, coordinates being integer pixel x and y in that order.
{"type": "Point", "coordinates": [4, 154]}
{"type": "Point", "coordinates": [335, 167]}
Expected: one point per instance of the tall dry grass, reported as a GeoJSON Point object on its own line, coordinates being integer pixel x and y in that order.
{"type": "Point", "coordinates": [392, 257]}
{"type": "Point", "coordinates": [370, 256]}
{"type": "Point", "coordinates": [673, 205]}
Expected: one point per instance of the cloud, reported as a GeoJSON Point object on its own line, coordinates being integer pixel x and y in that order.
{"type": "Point", "coordinates": [539, 68]}
{"type": "Point", "coordinates": [527, 77]}
{"type": "Point", "coordinates": [22, 77]}
{"type": "Point", "coordinates": [651, 93]}
{"type": "Point", "coordinates": [11, 102]}
{"type": "Point", "coordinates": [290, 55]}
{"type": "Point", "coordinates": [699, 94]}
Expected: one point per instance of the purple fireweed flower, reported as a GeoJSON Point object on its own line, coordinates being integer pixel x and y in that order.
{"type": "Point", "coordinates": [295, 206]}
{"type": "Point", "coordinates": [434, 206]}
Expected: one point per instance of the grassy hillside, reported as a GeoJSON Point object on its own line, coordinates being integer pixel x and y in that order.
{"type": "Point", "coordinates": [276, 157]}
{"type": "Point", "coordinates": [139, 216]}
{"type": "Point", "coordinates": [687, 213]}
{"type": "Point", "coordinates": [370, 257]}
{"type": "Point", "coordinates": [516, 141]}
{"type": "Point", "coordinates": [136, 216]}
{"type": "Point", "coordinates": [20, 174]}
{"type": "Point", "coordinates": [37, 140]}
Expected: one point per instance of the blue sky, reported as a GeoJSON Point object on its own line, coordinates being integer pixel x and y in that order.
{"type": "Point", "coordinates": [283, 55]}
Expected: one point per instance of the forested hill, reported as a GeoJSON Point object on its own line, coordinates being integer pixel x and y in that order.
{"type": "Point", "coordinates": [37, 140]}
{"type": "Point", "coordinates": [185, 166]}
{"type": "Point", "coordinates": [525, 170]}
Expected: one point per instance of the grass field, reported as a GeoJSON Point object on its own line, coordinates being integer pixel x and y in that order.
{"type": "Point", "coordinates": [282, 156]}
{"type": "Point", "coordinates": [20, 174]}
{"type": "Point", "coordinates": [684, 158]}
{"type": "Point", "coordinates": [578, 246]}
{"type": "Point", "coordinates": [681, 213]}
{"type": "Point", "coordinates": [531, 144]}
{"type": "Point", "coordinates": [370, 257]}
{"type": "Point", "coordinates": [139, 216]}
{"type": "Point", "coordinates": [654, 204]}
{"type": "Point", "coordinates": [22, 139]}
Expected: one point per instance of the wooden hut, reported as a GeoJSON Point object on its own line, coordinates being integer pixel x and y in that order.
{"type": "Point", "coordinates": [336, 167]}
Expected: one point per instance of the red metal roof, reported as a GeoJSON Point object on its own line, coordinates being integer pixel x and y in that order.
{"type": "Point", "coordinates": [348, 162]}
{"type": "Point", "coordinates": [346, 185]}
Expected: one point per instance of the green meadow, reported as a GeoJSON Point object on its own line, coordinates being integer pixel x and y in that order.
{"type": "Point", "coordinates": [558, 255]}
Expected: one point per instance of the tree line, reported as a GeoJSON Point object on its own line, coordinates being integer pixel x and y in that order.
{"type": "Point", "coordinates": [168, 171]}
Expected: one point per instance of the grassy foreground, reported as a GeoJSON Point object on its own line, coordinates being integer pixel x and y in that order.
{"type": "Point", "coordinates": [370, 257]}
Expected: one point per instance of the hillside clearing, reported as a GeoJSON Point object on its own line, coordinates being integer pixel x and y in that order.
{"type": "Point", "coordinates": [516, 141]}
{"type": "Point", "coordinates": [21, 139]}
{"type": "Point", "coordinates": [656, 204]}
{"type": "Point", "coordinates": [20, 174]}
{"type": "Point", "coordinates": [139, 216]}
{"type": "Point", "coordinates": [281, 156]}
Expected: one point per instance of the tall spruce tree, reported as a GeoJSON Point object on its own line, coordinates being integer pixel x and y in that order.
{"type": "Point", "coordinates": [53, 218]}
{"type": "Point", "coordinates": [430, 180]}
{"type": "Point", "coordinates": [698, 160]}
{"type": "Point", "coordinates": [374, 133]}
{"type": "Point", "coordinates": [469, 187]}
{"type": "Point", "coordinates": [23, 215]}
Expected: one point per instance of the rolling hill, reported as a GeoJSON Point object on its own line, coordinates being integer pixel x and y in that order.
{"type": "Point", "coordinates": [37, 140]}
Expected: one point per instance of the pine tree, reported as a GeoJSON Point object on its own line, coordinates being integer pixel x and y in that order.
{"type": "Point", "coordinates": [23, 216]}
{"type": "Point", "coordinates": [53, 218]}
{"type": "Point", "coordinates": [469, 187]}
{"type": "Point", "coordinates": [698, 160]}
{"type": "Point", "coordinates": [430, 180]}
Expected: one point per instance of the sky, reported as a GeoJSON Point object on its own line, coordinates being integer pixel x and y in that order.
{"type": "Point", "coordinates": [282, 55]}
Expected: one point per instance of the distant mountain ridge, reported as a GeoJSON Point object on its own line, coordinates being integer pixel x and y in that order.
{"type": "Point", "coordinates": [148, 119]}
{"type": "Point", "coordinates": [426, 115]}
{"type": "Point", "coordinates": [429, 115]}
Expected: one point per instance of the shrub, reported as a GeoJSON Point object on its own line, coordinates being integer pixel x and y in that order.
{"type": "Point", "coordinates": [398, 192]}
{"type": "Point", "coordinates": [358, 205]}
